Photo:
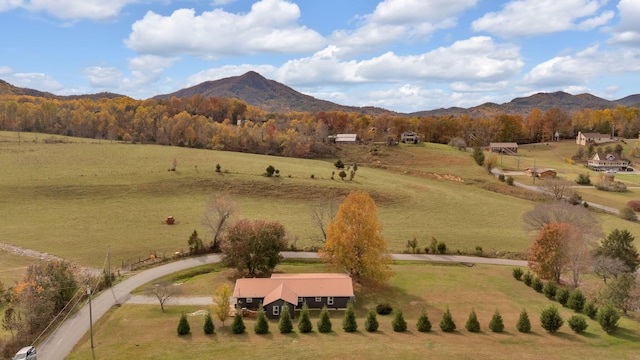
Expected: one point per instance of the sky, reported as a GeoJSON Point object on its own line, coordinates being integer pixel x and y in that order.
{"type": "Point", "coordinates": [402, 55]}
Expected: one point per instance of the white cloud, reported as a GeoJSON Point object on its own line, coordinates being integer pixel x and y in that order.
{"type": "Point", "coordinates": [531, 17]}
{"type": "Point", "coordinates": [628, 31]}
{"type": "Point", "coordinates": [270, 27]}
{"type": "Point", "coordinates": [5, 70]}
{"type": "Point", "coordinates": [103, 77]}
{"type": "Point", "coordinates": [38, 81]}
{"type": "Point", "coordinates": [70, 9]}
{"type": "Point", "coordinates": [418, 11]}
{"type": "Point", "coordinates": [149, 68]}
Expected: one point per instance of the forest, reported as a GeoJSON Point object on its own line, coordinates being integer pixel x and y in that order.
{"type": "Point", "coordinates": [233, 125]}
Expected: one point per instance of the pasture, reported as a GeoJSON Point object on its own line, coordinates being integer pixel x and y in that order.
{"type": "Point", "coordinates": [124, 331]}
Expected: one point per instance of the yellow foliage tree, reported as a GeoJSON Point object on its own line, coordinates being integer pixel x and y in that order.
{"type": "Point", "coordinates": [354, 243]}
{"type": "Point", "coordinates": [222, 302]}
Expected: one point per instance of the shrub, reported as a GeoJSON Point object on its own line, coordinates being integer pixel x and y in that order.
{"type": "Point", "coordinates": [496, 324]}
{"type": "Point", "coordinates": [261, 326]}
{"type": "Point", "coordinates": [324, 323]}
{"type": "Point", "coordinates": [237, 327]}
{"type": "Point", "coordinates": [183, 325]}
{"type": "Point", "coordinates": [634, 204]}
{"type": "Point", "coordinates": [478, 156]}
{"type": "Point", "coordinates": [208, 327]}
{"type": "Point", "coordinates": [501, 177]}
{"type": "Point", "coordinates": [549, 290]}
{"type": "Point", "coordinates": [313, 176]}
{"type": "Point", "coordinates": [371, 324]}
{"type": "Point", "coordinates": [342, 174]}
{"type": "Point", "coordinates": [537, 284]}
{"type": "Point", "coordinates": [284, 324]}
{"type": "Point", "coordinates": [339, 164]}
{"type": "Point", "coordinates": [384, 309]}
{"type": "Point", "coordinates": [442, 247]}
{"type": "Point", "coordinates": [575, 198]}
{"type": "Point", "coordinates": [576, 300]}
{"type": "Point", "coordinates": [524, 325]}
{"type": "Point", "coordinates": [628, 214]}
{"type": "Point", "coordinates": [349, 323]}
{"type": "Point", "coordinates": [304, 324]}
{"type": "Point", "coordinates": [527, 278]}
{"type": "Point", "coordinates": [577, 323]}
{"type": "Point", "coordinates": [550, 319]}
{"type": "Point", "coordinates": [517, 273]}
{"type": "Point", "coordinates": [218, 168]}
{"type": "Point", "coordinates": [447, 324]}
{"type": "Point", "coordinates": [398, 323]}
{"type": "Point", "coordinates": [423, 325]}
{"type": "Point", "coordinates": [591, 310]}
{"type": "Point", "coordinates": [509, 180]}
{"type": "Point", "coordinates": [608, 318]}
{"type": "Point", "coordinates": [472, 325]}
{"type": "Point", "coordinates": [270, 171]}
{"type": "Point", "coordinates": [562, 295]}
{"type": "Point", "coordinates": [583, 179]}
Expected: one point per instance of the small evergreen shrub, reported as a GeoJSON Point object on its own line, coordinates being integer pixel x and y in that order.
{"type": "Point", "coordinates": [549, 290]}
{"type": "Point", "coordinates": [304, 324]}
{"type": "Point", "coordinates": [527, 278]}
{"type": "Point", "coordinates": [496, 324]}
{"type": "Point", "coordinates": [324, 323]}
{"type": "Point", "coordinates": [562, 295]}
{"type": "Point", "coordinates": [237, 327]}
{"type": "Point", "coordinates": [261, 326]}
{"type": "Point", "coordinates": [583, 179]}
{"type": "Point", "coordinates": [472, 325]}
{"type": "Point", "coordinates": [284, 324]}
{"type": "Point", "coordinates": [447, 324]}
{"type": "Point", "coordinates": [591, 310]}
{"type": "Point", "coordinates": [577, 323]}
{"type": "Point", "coordinates": [398, 323]}
{"type": "Point", "coordinates": [349, 323]}
{"type": "Point", "coordinates": [183, 325]}
{"type": "Point", "coordinates": [384, 309]}
{"type": "Point", "coordinates": [208, 327]}
{"type": "Point", "coordinates": [608, 318]}
{"type": "Point", "coordinates": [524, 325]}
{"type": "Point", "coordinates": [576, 300]}
{"type": "Point", "coordinates": [442, 247]}
{"type": "Point", "coordinates": [509, 180]}
{"type": "Point", "coordinates": [423, 325]}
{"type": "Point", "coordinates": [270, 170]}
{"type": "Point", "coordinates": [501, 177]}
{"type": "Point", "coordinates": [218, 168]}
{"type": "Point", "coordinates": [339, 164]}
{"type": "Point", "coordinates": [537, 284]}
{"type": "Point", "coordinates": [550, 319]}
{"type": "Point", "coordinates": [371, 324]}
{"type": "Point", "coordinates": [517, 273]}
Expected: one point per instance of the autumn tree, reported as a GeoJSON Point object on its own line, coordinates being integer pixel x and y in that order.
{"type": "Point", "coordinates": [322, 213]}
{"type": "Point", "coordinates": [220, 209]}
{"type": "Point", "coordinates": [222, 302]}
{"type": "Point", "coordinates": [354, 243]}
{"type": "Point", "coordinates": [546, 256]}
{"type": "Point", "coordinates": [254, 246]}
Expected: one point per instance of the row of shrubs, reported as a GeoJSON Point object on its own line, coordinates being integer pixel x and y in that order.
{"type": "Point", "coordinates": [607, 316]}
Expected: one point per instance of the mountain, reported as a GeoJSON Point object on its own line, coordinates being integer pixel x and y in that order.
{"type": "Point", "coordinates": [269, 95]}
{"type": "Point", "coordinates": [8, 89]}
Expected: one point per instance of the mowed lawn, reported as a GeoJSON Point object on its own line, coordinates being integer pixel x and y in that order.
{"type": "Point", "coordinates": [81, 198]}
{"type": "Point", "coordinates": [144, 332]}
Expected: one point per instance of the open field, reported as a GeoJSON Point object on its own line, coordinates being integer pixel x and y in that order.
{"type": "Point", "coordinates": [124, 331]}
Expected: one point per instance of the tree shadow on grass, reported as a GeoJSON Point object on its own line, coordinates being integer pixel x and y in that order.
{"type": "Point", "coordinates": [626, 334]}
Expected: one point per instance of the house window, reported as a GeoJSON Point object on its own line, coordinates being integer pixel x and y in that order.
{"type": "Point", "coordinates": [318, 298]}
{"type": "Point", "coordinates": [300, 300]}
{"type": "Point", "coordinates": [330, 300]}
{"type": "Point", "coordinates": [249, 300]}
{"type": "Point", "coordinates": [276, 310]}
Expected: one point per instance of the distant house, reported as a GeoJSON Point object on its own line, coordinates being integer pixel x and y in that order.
{"type": "Point", "coordinates": [607, 162]}
{"type": "Point", "coordinates": [344, 138]}
{"type": "Point", "coordinates": [541, 173]}
{"type": "Point", "coordinates": [332, 290]}
{"type": "Point", "coordinates": [593, 138]}
{"type": "Point", "coordinates": [409, 137]}
{"type": "Point", "coordinates": [509, 148]}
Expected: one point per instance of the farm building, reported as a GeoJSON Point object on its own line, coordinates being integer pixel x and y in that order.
{"type": "Point", "coordinates": [607, 162]}
{"type": "Point", "coordinates": [409, 137]}
{"type": "Point", "coordinates": [541, 173]}
{"type": "Point", "coordinates": [344, 138]}
{"type": "Point", "coordinates": [508, 148]}
{"type": "Point", "coordinates": [592, 138]}
{"type": "Point", "coordinates": [332, 290]}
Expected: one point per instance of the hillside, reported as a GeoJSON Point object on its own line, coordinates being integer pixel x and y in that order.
{"type": "Point", "coordinates": [8, 89]}
{"type": "Point", "coordinates": [266, 94]}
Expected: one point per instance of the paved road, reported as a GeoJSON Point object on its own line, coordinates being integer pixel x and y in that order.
{"type": "Point", "coordinates": [60, 344]}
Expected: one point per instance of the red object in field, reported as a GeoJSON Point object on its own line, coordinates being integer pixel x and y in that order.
{"type": "Point", "coordinates": [170, 220]}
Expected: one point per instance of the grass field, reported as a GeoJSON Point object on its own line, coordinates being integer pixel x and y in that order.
{"type": "Point", "coordinates": [124, 331]}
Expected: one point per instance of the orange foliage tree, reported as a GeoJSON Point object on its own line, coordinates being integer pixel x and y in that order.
{"type": "Point", "coordinates": [547, 256]}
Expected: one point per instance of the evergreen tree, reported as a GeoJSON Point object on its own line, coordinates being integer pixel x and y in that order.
{"type": "Point", "coordinates": [576, 300]}
{"type": "Point", "coordinates": [527, 278]}
{"type": "Point", "coordinates": [562, 295]}
{"type": "Point", "coordinates": [237, 327]}
{"type": "Point", "coordinates": [261, 325]}
{"type": "Point", "coordinates": [608, 318]}
{"type": "Point", "coordinates": [183, 325]}
{"type": "Point", "coordinates": [591, 310]}
{"type": "Point", "coordinates": [208, 327]}
{"type": "Point", "coordinates": [398, 323]}
{"type": "Point", "coordinates": [550, 319]}
{"type": "Point", "coordinates": [577, 323]}
{"type": "Point", "coordinates": [496, 324]}
{"type": "Point", "coordinates": [537, 284]}
{"type": "Point", "coordinates": [423, 325]}
{"type": "Point", "coordinates": [349, 323]}
{"type": "Point", "coordinates": [478, 155]}
{"type": "Point", "coordinates": [371, 324]}
{"type": "Point", "coordinates": [447, 324]}
{"type": "Point", "coordinates": [472, 325]}
{"type": "Point", "coordinates": [549, 290]}
{"type": "Point", "coordinates": [620, 244]}
{"type": "Point", "coordinates": [285, 325]}
{"type": "Point", "coordinates": [324, 323]}
{"type": "Point", "coordinates": [304, 324]}
{"type": "Point", "coordinates": [524, 325]}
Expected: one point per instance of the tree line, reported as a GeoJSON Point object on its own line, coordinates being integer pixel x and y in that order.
{"type": "Point", "coordinates": [233, 125]}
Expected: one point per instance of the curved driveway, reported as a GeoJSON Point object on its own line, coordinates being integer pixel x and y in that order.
{"type": "Point", "coordinates": [61, 342]}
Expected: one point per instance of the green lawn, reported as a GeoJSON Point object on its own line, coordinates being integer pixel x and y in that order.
{"type": "Point", "coordinates": [124, 331]}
